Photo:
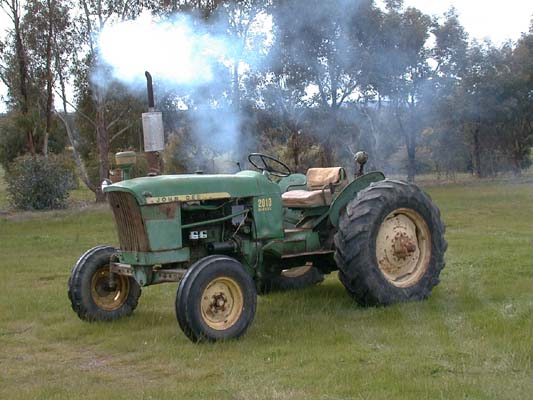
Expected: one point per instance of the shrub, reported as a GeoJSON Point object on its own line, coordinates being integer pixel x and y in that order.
{"type": "Point", "coordinates": [38, 183]}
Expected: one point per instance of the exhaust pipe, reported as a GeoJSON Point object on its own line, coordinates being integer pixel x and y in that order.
{"type": "Point", "coordinates": [154, 137]}
{"type": "Point", "coordinates": [150, 91]}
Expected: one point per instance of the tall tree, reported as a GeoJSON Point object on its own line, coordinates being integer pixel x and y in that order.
{"type": "Point", "coordinates": [326, 46]}
{"type": "Point", "coordinates": [406, 33]}
{"type": "Point", "coordinates": [46, 23]}
{"type": "Point", "coordinates": [16, 79]}
{"type": "Point", "coordinates": [93, 78]}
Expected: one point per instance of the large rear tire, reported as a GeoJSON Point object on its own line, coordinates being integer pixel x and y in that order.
{"type": "Point", "coordinates": [89, 291]}
{"type": "Point", "coordinates": [390, 244]}
{"type": "Point", "coordinates": [216, 300]}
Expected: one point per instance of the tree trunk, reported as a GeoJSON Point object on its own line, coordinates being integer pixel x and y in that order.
{"type": "Point", "coordinates": [49, 76]}
{"type": "Point", "coordinates": [102, 142]}
{"type": "Point", "coordinates": [23, 74]}
{"type": "Point", "coordinates": [411, 157]}
{"type": "Point", "coordinates": [293, 145]}
{"type": "Point", "coordinates": [375, 161]}
{"type": "Point", "coordinates": [70, 131]}
{"type": "Point", "coordinates": [236, 89]}
{"type": "Point", "coordinates": [476, 156]}
{"type": "Point", "coordinates": [517, 157]}
{"type": "Point", "coordinates": [410, 145]}
{"type": "Point", "coordinates": [77, 159]}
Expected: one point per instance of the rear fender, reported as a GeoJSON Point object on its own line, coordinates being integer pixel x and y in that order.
{"type": "Point", "coordinates": [349, 193]}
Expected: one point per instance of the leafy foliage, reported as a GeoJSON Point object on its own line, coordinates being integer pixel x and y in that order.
{"type": "Point", "coordinates": [39, 183]}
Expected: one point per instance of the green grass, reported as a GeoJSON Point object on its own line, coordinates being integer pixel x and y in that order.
{"type": "Point", "coordinates": [472, 338]}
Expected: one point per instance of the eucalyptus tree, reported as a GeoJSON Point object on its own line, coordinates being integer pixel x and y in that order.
{"type": "Point", "coordinates": [326, 47]}
{"type": "Point", "coordinates": [445, 105]}
{"type": "Point", "coordinates": [14, 67]}
{"type": "Point", "coordinates": [29, 69]}
{"type": "Point", "coordinates": [93, 78]}
{"type": "Point", "coordinates": [47, 24]}
{"type": "Point", "coordinates": [406, 73]}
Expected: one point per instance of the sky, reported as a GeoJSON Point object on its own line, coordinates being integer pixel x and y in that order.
{"type": "Point", "coordinates": [493, 19]}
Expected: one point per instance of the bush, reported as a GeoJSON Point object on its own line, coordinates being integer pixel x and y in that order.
{"type": "Point", "coordinates": [38, 183]}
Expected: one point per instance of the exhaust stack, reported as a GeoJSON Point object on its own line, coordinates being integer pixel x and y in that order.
{"type": "Point", "coordinates": [154, 138]}
{"type": "Point", "coordinates": [150, 91]}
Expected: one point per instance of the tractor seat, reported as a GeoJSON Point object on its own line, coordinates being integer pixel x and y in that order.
{"type": "Point", "coordinates": [321, 184]}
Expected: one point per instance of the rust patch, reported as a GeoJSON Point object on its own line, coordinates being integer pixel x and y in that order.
{"type": "Point", "coordinates": [169, 210]}
{"type": "Point", "coordinates": [128, 219]}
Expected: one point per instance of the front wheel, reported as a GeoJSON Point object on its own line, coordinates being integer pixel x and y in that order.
{"type": "Point", "coordinates": [390, 244]}
{"type": "Point", "coordinates": [216, 300]}
{"type": "Point", "coordinates": [93, 297]}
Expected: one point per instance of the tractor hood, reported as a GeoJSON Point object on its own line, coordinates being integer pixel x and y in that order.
{"type": "Point", "coordinates": [192, 187]}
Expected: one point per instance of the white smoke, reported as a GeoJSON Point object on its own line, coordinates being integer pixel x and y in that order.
{"type": "Point", "coordinates": [173, 50]}
{"type": "Point", "coordinates": [193, 59]}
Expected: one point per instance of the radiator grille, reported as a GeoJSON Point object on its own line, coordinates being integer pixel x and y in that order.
{"type": "Point", "coordinates": [129, 222]}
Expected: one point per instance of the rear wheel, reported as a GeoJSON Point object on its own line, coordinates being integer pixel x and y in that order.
{"type": "Point", "coordinates": [390, 244]}
{"type": "Point", "coordinates": [93, 297]}
{"type": "Point", "coordinates": [216, 300]}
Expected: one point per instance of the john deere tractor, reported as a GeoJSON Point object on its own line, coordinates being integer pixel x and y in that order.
{"type": "Point", "coordinates": [225, 238]}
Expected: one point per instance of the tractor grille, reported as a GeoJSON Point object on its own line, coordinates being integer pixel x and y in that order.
{"type": "Point", "coordinates": [129, 222]}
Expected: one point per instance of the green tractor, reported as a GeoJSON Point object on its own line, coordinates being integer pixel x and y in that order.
{"type": "Point", "coordinates": [225, 238]}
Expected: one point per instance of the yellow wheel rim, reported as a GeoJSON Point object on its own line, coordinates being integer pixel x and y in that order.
{"type": "Point", "coordinates": [222, 303]}
{"type": "Point", "coordinates": [106, 298]}
{"type": "Point", "coordinates": [403, 247]}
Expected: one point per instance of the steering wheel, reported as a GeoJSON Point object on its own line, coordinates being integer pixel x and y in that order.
{"type": "Point", "coordinates": [270, 164]}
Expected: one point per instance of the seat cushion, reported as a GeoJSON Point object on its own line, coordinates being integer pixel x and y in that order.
{"type": "Point", "coordinates": [306, 198]}
{"type": "Point", "coordinates": [317, 178]}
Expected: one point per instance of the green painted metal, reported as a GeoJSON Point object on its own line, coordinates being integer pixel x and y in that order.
{"type": "Point", "coordinates": [141, 273]}
{"type": "Point", "coordinates": [241, 184]}
{"type": "Point", "coordinates": [214, 221]}
{"type": "Point", "coordinates": [164, 234]}
{"type": "Point", "coordinates": [350, 192]}
{"type": "Point", "coordinates": [268, 216]}
{"type": "Point", "coordinates": [156, 257]}
{"type": "Point", "coordinates": [165, 200]}
{"type": "Point", "coordinates": [291, 216]}
{"type": "Point", "coordinates": [157, 195]}
{"type": "Point", "coordinates": [293, 182]}
{"type": "Point", "coordinates": [295, 241]}
{"type": "Point", "coordinates": [163, 226]}
{"type": "Point", "coordinates": [251, 256]}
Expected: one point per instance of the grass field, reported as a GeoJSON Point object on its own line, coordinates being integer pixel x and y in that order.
{"type": "Point", "coordinates": [472, 339]}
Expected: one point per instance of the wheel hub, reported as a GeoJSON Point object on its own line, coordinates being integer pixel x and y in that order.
{"type": "Point", "coordinates": [105, 296]}
{"type": "Point", "coordinates": [219, 303]}
{"type": "Point", "coordinates": [222, 303]}
{"type": "Point", "coordinates": [403, 247]}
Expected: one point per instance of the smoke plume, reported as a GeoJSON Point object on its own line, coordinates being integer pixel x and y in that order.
{"type": "Point", "coordinates": [199, 63]}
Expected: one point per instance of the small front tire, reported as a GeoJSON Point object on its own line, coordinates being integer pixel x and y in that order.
{"type": "Point", "coordinates": [89, 292]}
{"type": "Point", "coordinates": [216, 300]}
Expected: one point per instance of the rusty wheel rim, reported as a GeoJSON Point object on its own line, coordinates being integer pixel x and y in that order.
{"type": "Point", "coordinates": [106, 298]}
{"type": "Point", "coordinates": [222, 303]}
{"type": "Point", "coordinates": [403, 247]}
